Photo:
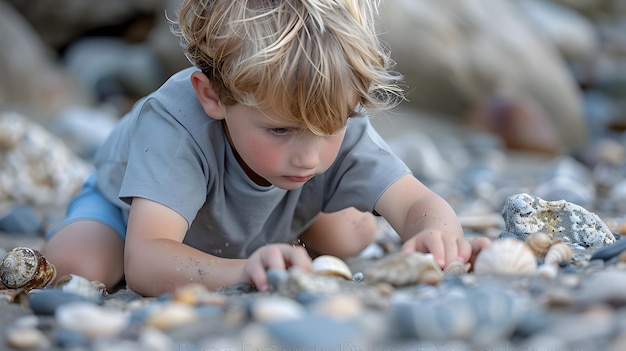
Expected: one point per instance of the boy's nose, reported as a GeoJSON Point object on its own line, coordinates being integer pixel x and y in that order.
{"type": "Point", "coordinates": [306, 153]}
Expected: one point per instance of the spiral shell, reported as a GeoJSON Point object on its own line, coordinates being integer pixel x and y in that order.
{"type": "Point", "coordinates": [539, 243]}
{"type": "Point", "coordinates": [558, 253]}
{"type": "Point", "coordinates": [26, 268]}
{"type": "Point", "coordinates": [506, 256]}
{"type": "Point", "coordinates": [331, 265]}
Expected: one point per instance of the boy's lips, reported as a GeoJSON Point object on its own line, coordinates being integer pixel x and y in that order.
{"type": "Point", "coordinates": [298, 179]}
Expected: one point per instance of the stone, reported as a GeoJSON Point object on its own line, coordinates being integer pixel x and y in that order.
{"type": "Point", "coordinates": [524, 214]}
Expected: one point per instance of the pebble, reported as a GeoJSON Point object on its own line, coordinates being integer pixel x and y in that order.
{"type": "Point", "coordinates": [608, 252]}
{"type": "Point", "coordinates": [577, 305]}
{"type": "Point", "coordinates": [91, 320]}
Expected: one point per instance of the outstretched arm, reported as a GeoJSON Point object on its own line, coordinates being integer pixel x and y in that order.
{"type": "Point", "coordinates": [156, 260]}
{"type": "Point", "coordinates": [425, 221]}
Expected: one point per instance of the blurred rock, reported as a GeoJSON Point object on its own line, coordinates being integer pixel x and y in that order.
{"type": "Point", "coordinates": [572, 34]}
{"type": "Point", "coordinates": [59, 22]}
{"type": "Point", "coordinates": [36, 168]}
{"type": "Point", "coordinates": [110, 68]}
{"type": "Point", "coordinates": [456, 55]}
{"type": "Point", "coordinates": [83, 129]}
{"type": "Point", "coordinates": [31, 79]}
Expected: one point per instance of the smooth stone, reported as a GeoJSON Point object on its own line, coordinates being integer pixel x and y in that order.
{"type": "Point", "coordinates": [608, 252]}
{"type": "Point", "coordinates": [91, 320]}
{"type": "Point", "coordinates": [46, 301]}
{"type": "Point", "coordinates": [276, 308]}
{"type": "Point", "coordinates": [21, 220]}
{"type": "Point", "coordinates": [277, 278]}
{"type": "Point", "coordinates": [172, 315]}
{"type": "Point", "coordinates": [69, 339]}
{"type": "Point", "coordinates": [439, 319]}
{"type": "Point", "coordinates": [315, 332]}
{"type": "Point", "coordinates": [608, 286]}
{"type": "Point", "coordinates": [27, 339]}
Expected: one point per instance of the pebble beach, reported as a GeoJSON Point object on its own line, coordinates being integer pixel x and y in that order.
{"type": "Point", "coordinates": [385, 302]}
{"type": "Point", "coordinates": [524, 137]}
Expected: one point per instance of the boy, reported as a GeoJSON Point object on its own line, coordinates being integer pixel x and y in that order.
{"type": "Point", "coordinates": [211, 178]}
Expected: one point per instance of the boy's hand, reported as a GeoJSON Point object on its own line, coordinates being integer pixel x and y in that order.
{"type": "Point", "coordinates": [445, 247]}
{"type": "Point", "coordinates": [274, 256]}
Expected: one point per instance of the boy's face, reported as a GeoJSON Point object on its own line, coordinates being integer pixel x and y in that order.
{"type": "Point", "coordinates": [273, 150]}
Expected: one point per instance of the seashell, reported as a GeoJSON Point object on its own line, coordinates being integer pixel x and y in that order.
{"type": "Point", "coordinates": [506, 256]}
{"type": "Point", "coordinates": [457, 268]}
{"type": "Point", "coordinates": [72, 283]}
{"type": "Point", "coordinates": [405, 269]}
{"type": "Point", "coordinates": [26, 268]}
{"type": "Point", "coordinates": [331, 265]}
{"type": "Point", "coordinates": [539, 243]}
{"type": "Point", "coordinates": [560, 252]}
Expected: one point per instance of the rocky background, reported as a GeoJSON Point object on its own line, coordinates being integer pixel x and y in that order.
{"type": "Point", "coordinates": [504, 97]}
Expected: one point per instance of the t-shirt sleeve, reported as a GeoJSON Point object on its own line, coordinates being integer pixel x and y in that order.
{"type": "Point", "coordinates": [364, 169]}
{"type": "Point", "coordinates": [165, 164]}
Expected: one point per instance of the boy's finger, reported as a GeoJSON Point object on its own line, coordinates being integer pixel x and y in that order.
{"type": "Point", "coordinates": [451, 250]}
{"type": "Point", "coordinates": [465, 249]}
{"type": "Point", "coordinates": [435, 246]}
{"type": "Point", "coordinates": [272, 258]}
{"type": "Point", "coordinates": [299, 257]}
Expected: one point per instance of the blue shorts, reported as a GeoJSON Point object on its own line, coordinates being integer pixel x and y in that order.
{"type": "Point", "coordinates": [90, 204]}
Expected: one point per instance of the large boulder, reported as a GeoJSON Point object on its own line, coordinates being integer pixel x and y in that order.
{"type": "Point", "coordinates": [458, 55]}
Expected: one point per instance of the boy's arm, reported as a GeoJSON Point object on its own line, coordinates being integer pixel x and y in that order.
{"type": "Point", "coordinates": [424, 220]}
{"type": "Point", "coordinates": [156, 260]}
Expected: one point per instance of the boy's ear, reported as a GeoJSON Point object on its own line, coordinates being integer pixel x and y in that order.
{"type": "Point", "coordinates": [208, 98]}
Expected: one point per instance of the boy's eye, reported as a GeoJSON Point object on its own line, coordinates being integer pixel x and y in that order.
{"type": "Point", "coordinates": [279, 131]}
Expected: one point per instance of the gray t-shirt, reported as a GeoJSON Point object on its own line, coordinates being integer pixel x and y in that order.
{"type": "Point", "coordinates": [166, 149]}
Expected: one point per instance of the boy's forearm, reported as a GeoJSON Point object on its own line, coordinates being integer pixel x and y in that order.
{"type": "Point", "coordinates": [153, 267]}
{"type": "Point", "coordinates": [433, 213]}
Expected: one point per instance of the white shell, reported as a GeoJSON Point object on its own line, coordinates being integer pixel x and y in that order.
{"type": "Point", "coordinates": [506, 256]}
{"type": "Point", "coordinates": [558, 253]}
{"type": "Point", "coordinates": [331, 265]}
{"type": "Point", "coordinates": [78, 285]}
{"type": "Point", "coordinates": [26, 268]}
{"type": "Point", "coordinates": [548, 271]}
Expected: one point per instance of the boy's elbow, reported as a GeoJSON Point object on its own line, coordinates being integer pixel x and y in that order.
{"type": "Point", "coordinates": [140, 280]}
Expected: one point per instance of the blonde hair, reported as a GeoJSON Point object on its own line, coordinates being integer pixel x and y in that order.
{"type": "Point", "coordinates": [312, 61]}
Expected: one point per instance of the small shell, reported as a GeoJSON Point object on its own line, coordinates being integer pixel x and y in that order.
{"type": "Point", "coordinates": [560, 252]}
{"type": "Point", "coordinates": [405, 269]}
{"type": "Point", "coordinates": [538, 242]}
{"type": "Point", "coordinates": [506, 256]}
{"type": "Point", "coordinates": [331, 265]}
{"type": "Point", "coordinates": [548, 271]}
{"type": "Point", "coordinates": [26, 268]}
{"type": "Point", "coordinates": [457, 268]}
{"type": "Point", "coordinates": [78, 285]}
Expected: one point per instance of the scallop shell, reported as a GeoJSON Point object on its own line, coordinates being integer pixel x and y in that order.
{"type": "Point", "coordinates": [26, 268]}
{"type": "Point", "coordinates": [331, 265]}
{"type": "Point", "coordinates": [539, 243]}
{"type": "Point", "coordinates": [558, 253]}
{"type": "Point", "coordinates": [405, 269]}
{"type": "Point", "coordinates": [506, 256]}
{"type": "Point", "coordinates": [457, 268]}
